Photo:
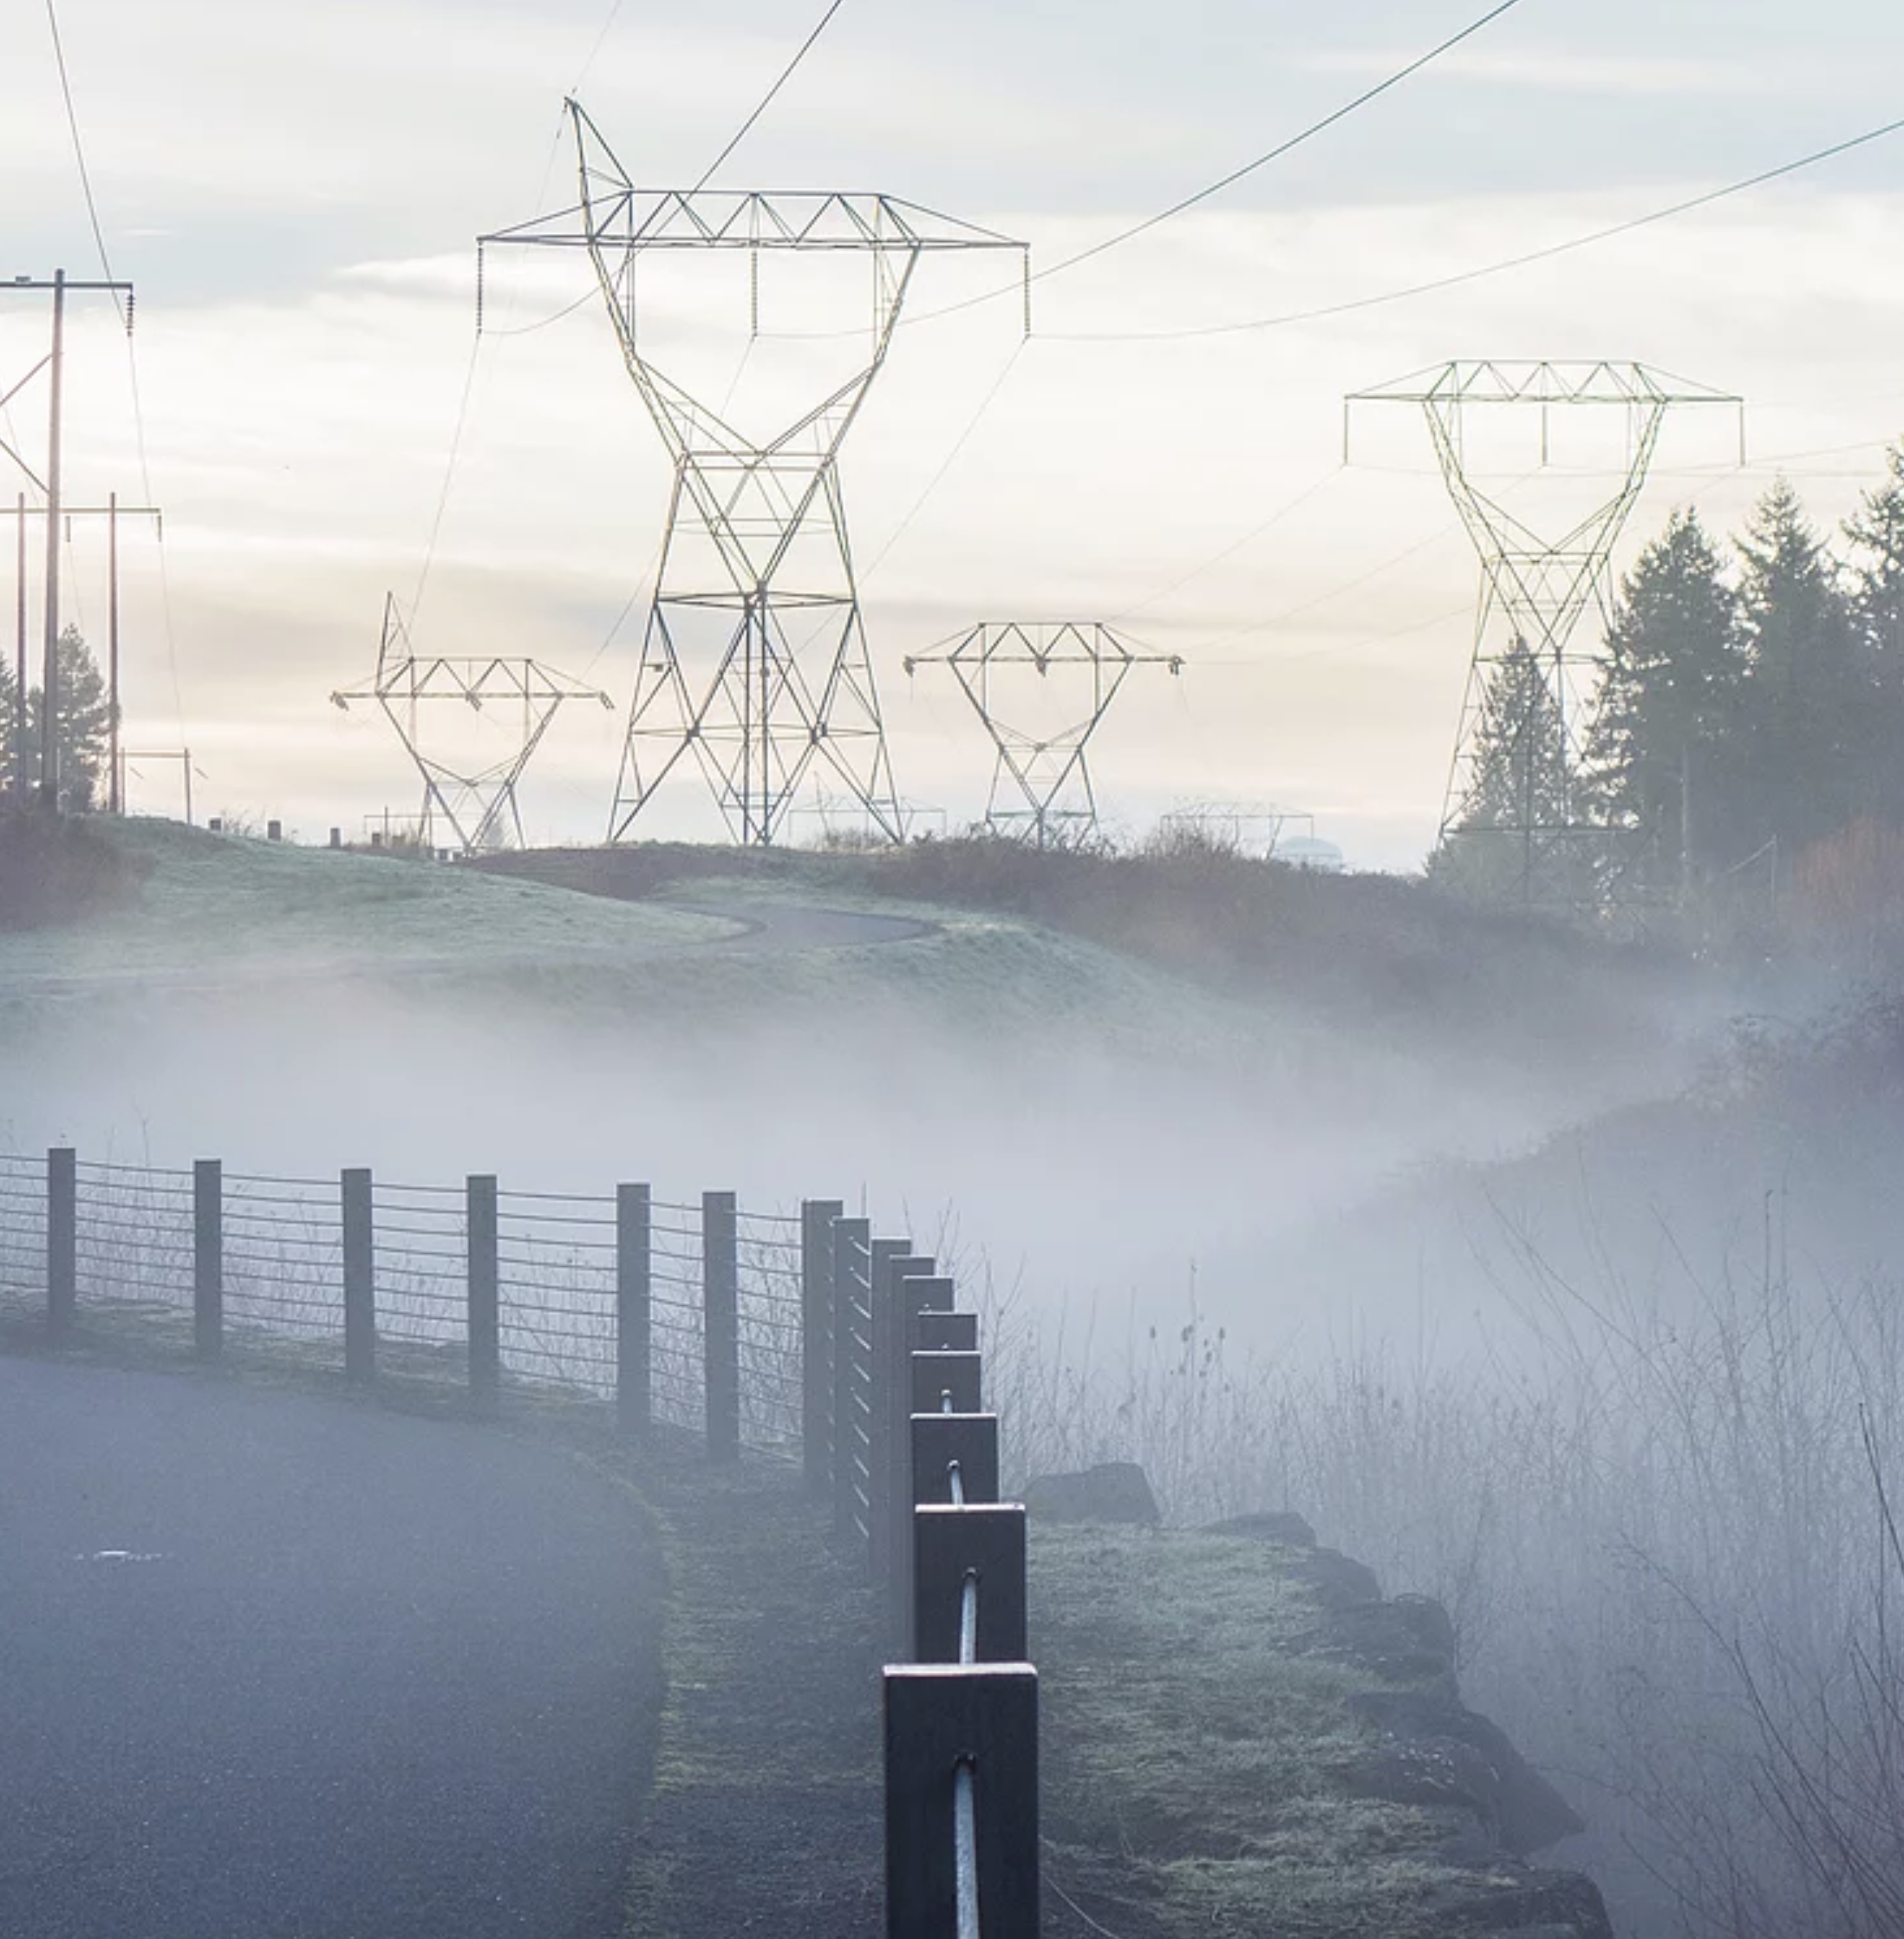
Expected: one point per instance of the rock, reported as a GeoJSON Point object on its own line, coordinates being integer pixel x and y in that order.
{"type": "Point", "coordinates": [1406, 1639]}
{"type": "Point", "coordinates": [1113, 1491]}
{"type": "Point", "coordinates": [1519, 1901]}
{"type": "Point", "coordinates": [1338, 1580]}
{"type": "Point", "coordinates": [1270, 1526]}
{"type": "Point", "coordinates": [1440, 1751]}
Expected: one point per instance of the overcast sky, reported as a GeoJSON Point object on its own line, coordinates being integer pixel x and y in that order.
{"type": "Point", "coordinates": [296, 189]}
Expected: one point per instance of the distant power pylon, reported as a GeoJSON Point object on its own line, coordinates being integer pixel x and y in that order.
{"type": "Point", "coordinates": [755, 655]}
{"type": "Point", "coordinates": [1535, 591]}
{"type": "Point", "coordinates": [1045, 769]}
{"type": "Point", "coordinates": [479, 805]}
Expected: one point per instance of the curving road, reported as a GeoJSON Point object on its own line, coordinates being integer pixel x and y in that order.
{"type": "Point", "coordinates": [280, 1668]}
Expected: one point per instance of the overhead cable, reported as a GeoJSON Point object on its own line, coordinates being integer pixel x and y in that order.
{"type": "Point", "coordinates": [1523, 261]}
{"type": "Point", "coordinates": [786, 75]}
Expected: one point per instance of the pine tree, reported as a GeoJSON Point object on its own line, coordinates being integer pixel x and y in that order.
{"type": "Point", "coordinates": [1875, 533]}
{"type": "Point", "coordinates": [1663, 751]}
{"type": "Point", "coordinates": [12, 754]}
{"type": "Point", "coordinates": [1805, 703]}
{"type": "Point", "coordinates": [1510, 843]}
{"type": "Point", "coordinates": [84, 725]}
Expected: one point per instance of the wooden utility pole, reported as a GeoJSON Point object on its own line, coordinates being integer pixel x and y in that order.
{"type": "Point", "coordinates": [54, 365]}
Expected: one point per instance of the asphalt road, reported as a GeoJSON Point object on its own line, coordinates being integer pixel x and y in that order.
{"type": "Point", "coordinates": [279, 1668]}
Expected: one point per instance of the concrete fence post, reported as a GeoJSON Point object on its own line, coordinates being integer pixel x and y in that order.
{"type": "Point", "coordinates": [720, 1322]}
{"type": "Point", "coordinates": [917, 1290]}
{"type": "Point", "coordinates": [943, 1720]}
{"type": "Point", "coordinates": [817, 1217]}
{"type": "Point", "coordinates": [208, 1258]}
{"type": "Point", "coordinates": [983, 1540]}
{"type": "Point", "coordinates": [359, 1277]}
{"type": "Point", "coordinates": [485, 1288]}
{"type": "Point", "coordinates": [852, 1421]}
{"type": "Point", "coordinates": [634, 1308]}
{"type": "Point", "coordinates": [62, 1239]}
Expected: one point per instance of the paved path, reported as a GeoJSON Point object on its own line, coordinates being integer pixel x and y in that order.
{"type": "Point", "coordinates": [277, 1667]}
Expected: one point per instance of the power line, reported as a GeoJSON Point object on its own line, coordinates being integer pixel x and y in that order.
{"type": "Point", "coordinates": [786, 75]}
{"type": "Point", "coordinates": [1237, 175]}
{"type": "Point", "coordinates": [1500, 268]}
{"type": "Point", "coordinates": [79, 155]}
{"type": "Point", "coordinates": [1283, 148]}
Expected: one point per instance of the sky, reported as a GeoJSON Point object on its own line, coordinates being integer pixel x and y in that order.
{"type": "Point", "coordinates": [296, 191]}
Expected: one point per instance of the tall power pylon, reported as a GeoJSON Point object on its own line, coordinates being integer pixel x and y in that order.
{"type": "Point", "coordinates": [1045, 769]}
{"type": "Point", "coordinates": [754, 656]}
{"type": "Point", "coordinates": [1535, 588]}
{"type": "Point", "coordinates": [477, 803]}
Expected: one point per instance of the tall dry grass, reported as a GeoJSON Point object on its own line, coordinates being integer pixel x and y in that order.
{"type": "Point", "coordinates": [1663, 1523]}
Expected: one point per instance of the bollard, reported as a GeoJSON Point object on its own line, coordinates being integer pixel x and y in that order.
{"type": "Point", "coordinates": [208, 1258]}
{"type": "Point", "coordinates": [817, 1217]}
{"type": "Point", "coordinates": [634, 1309]}
{"type": "Point", "coordinates": [981, 1539]}
{"type": "Point", "coordinates": [61, 1240]}
{"type": "Point", "coordinates": [360, 1277]}
{"type": "Point", "coordinates": [484, 1323]}
{"type": "Point", "coordinates": [939, 1717]}
{"type": "Point", "coordinates": [720, 1322]}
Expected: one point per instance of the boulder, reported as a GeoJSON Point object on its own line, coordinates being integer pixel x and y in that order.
{"type": "Point", "coordinates": [1112, 1492]}
{"type": "Point", "coordinates": [1405, 1639]}
{"type": "Point", "coordinates": [1437, 1751]}
{"type": "Point", "coordinates": [1283, 1525]}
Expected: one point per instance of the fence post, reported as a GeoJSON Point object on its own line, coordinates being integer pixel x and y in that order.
{"type": "Point", "coordinates": [720, 1322]}
{"type": "Point", "coordinates": [942, 1720]}
{"type": "Point", "coordinates": [915, 1290]}
{"type": "Point", "coordinates": [852, 1424]}
{"type": "Point", "coordinates": [62, 1239]}
{"type": "Point", "coordinates": [882, 1330]}
{"type": "Point", "coordinates": [208, 1257]}
{"type": "Point", "coordinates": [817, 1427]}
{"type": "Point", "coordinates": [360, 1277]}
{"type": "Point", "coordinates": [634, 1311]}
{"type": "Point", "coordinates": [484, 1323]}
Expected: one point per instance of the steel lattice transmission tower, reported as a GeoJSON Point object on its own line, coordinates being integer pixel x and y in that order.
{"type": "Point", "coordinates": [1045, 769]}
{"type": "Point", "coordinates": [755, 655]}
{"type": "Point", "coordinates": [1535, 590]}
{"type": "Point", "coordinates": [479, 804]}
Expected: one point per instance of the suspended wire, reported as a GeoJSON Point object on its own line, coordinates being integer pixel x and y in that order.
{"type": "Point", "coordinates": [1500, 267]}
{"type": "Point", "coordinates": [601, 40]}
{"type": "Point", "coordinates": [122, 305]}
{"type": "Point", "coordinates": [786, 75]}
{"type": "Point", "coordinates": [79, 155]}
{"type": "Point", "coordinates": [543, 322]}
{"type": "Point", "coordinates": [449, 473]}
{"type": "Point", "coordinates": [951, 459]}
{"type": "Point", "coordinates": [1282, 148]}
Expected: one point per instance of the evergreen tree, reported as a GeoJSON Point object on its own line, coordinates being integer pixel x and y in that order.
{"type": "Point", "coordinates": [1663, 754]}
{"type": "Point", "coordinates": [1876, 592]}
{"type": "Point", "coordinates": [1805, 702]}
{"type": "Point", "coordinates": [12, 753]}
{"type": "Point", "coordinates": [84, 725]}
{"type": "Point", "coordinates": [1510, 843]}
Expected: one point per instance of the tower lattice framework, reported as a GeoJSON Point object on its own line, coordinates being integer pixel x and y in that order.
{"type": "Point", "coordinates": [755, 655]}
{"type": "Point", "coordinates": [478, 805]}
{"type": "Point", "coordinates": [1042, 787]}
{"type": "Point", "coordinates": [1536, 591]}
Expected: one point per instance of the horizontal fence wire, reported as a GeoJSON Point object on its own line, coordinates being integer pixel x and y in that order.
{"type": "Point", "coordinates": [420, 1270]}
{"type": "Point", "coordinates": [556, 1260]}
{"type": "Point", "coordinates": [132, 1236]}
{"type": "Point", "coordinates": [22, 1230]}
{"type": "Point", "coordinates": [770, 1332]}
{"type": "Point", "coordinates": [282, 1275]}
{"type": "Point", "coordinates": [283, 1259]}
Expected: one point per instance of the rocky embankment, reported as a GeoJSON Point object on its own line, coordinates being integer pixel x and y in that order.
{"type": "Point", "coordinates": [1244, 1736]}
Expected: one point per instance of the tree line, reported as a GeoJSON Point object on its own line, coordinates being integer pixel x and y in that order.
{"type": "Point", "coordinates": [1750, 702]}
{"type": "Point", "coordinates": [83, 725]}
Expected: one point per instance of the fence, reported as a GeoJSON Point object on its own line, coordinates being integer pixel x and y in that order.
{"type": "Point", "coordinates": [801, 1335]}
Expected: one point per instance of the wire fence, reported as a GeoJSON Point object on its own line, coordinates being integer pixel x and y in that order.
{"type": "Point", "coordinates": [541, 1291]}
